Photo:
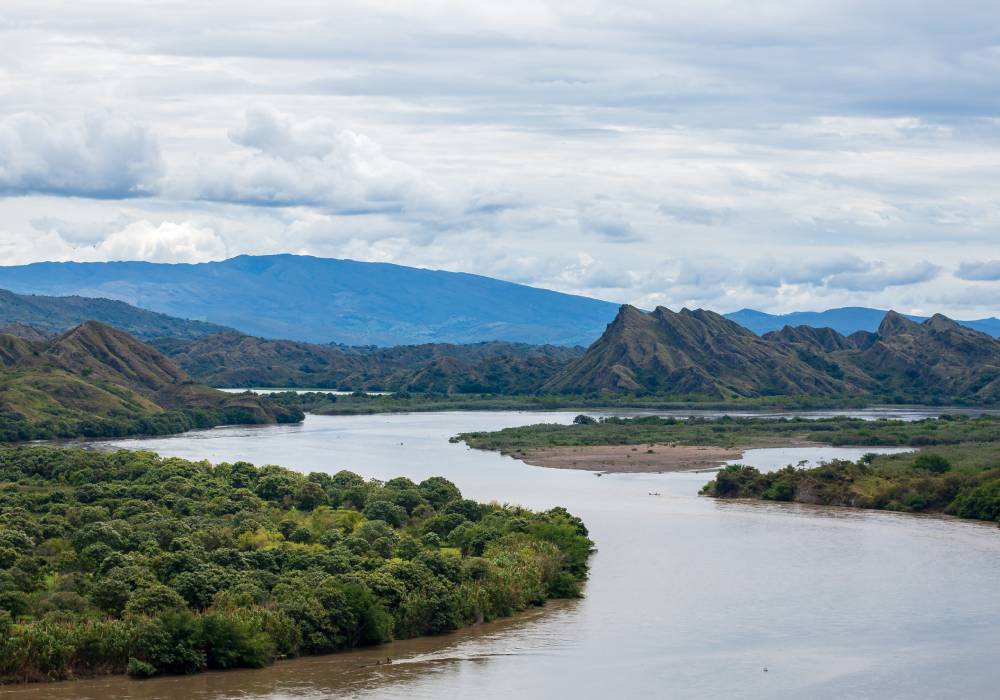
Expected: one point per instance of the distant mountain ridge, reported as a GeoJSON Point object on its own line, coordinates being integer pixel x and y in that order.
{"type": "Point", "coordinates": [497, 367]}
{"type": "Point", "coordinates": [325, 300]}
{"type": "Point", "coordinates": [701, 354]}
{"type": "Point", "coordinates": [33, 317]}
{"type": "Point", "coordinates": [845, 321]}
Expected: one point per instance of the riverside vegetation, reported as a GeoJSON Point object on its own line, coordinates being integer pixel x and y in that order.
{"type": "Point", "coordinates": [125, 561]}
{"type": "Point", "coordinates": [738, 432]}
{"type": "Point", "coordinates": [956, 471]}
{"type": "Point", "coordinates": [961, 480]}
{"type": "Point", "coordinates": [321, 402]}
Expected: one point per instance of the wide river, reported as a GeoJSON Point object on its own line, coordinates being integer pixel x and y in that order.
{"type": "Point", "coordinates": [688, 597]}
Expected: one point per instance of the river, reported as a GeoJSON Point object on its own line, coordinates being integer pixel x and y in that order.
{"type": "Point", "coordinates": [688, 597]}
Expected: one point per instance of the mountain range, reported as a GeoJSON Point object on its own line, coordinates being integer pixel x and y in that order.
{"type": "Point", "coordinates": [96, 380]}
{"type": "Point", "coordinates": [36, 317]}
{"type": "Point", "coordinates": [845, 320]}
{"type": "Point", "coordinates": [325, 300]}
{"type": "Point", "coordinates": [701, 354]}
{"type": "Point", "coordinates": [496, 367]}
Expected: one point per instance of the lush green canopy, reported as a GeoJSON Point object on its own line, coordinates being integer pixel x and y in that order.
{"type": "Point", "coordinates": [127, 560]}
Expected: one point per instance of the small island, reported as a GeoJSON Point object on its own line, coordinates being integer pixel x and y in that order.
{"type": "Point", "coordinates": [954, 470]}
{"type": "Point", "coordinates": [114, 562]}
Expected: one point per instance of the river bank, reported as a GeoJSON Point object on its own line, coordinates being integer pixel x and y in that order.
{"type": "Point", "coordinates": [835, 602]}
{"type": "Point", "coordinates": [655, 458]}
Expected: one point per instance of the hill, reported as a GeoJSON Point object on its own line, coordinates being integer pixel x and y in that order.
{"type": "Point", "coordinates": [845, 320]}
{"type": "Point", "coordinates": [236, 360]}
{"type": "Point", "coordinates": [33, 317]}
{"type": "Point", "coordinates": [691, 353]}
{"type": "Point", "coordinates": [701, 354]}
{"type": "Point", "coordinates": [325, 300]}
{"type": "Point", "coordinates": [95, 380]}
{"type": "Point", "coordinates": [930, 360]}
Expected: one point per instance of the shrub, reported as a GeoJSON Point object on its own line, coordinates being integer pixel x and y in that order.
{"type": "Point", "coordinates": [154, 599]}
{"type": "Point", "coordinates": [934, 463]}
{"type": "Point", "coordinates": [140, 669]}
{"type": "Point", "coordinates": [171, 643]}
{"type": "Point", "coordinates": [234, 639]}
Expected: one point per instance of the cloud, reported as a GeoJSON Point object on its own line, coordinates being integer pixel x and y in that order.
{"type": "Point", "coordinates": [716, 153]}
{"type": "Point", "coordinates": [980, 271]}
{"type": "Point", "coordinates": [811, 270]}
{"type": "Point", "coordinates": [163, 242]}
{"type": "Point", "coordinates": [694, 214]}
{"type": "Point", "coordinates": [313, 162]}
{"type": "Point", "coordinates": [607, 219]}
{"type": "Point", "coordinates": [100, 156]}
{"type": "Point", "coordinates": [833, 272]}
{"type": "Point", "coordinates": [880, 276]}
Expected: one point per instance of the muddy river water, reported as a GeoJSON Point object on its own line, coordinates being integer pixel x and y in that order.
{"type": "Point", "coordinates": [688, 597]}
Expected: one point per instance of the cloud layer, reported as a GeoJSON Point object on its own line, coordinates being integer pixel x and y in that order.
{"type": "Point", "coordinates": [791, 155]}
{"type": "Point", "coordinates": [95, 156]}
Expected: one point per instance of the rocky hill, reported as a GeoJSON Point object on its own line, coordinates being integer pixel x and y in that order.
{"type": "Point", "coordinates": [95, 380]}
{"type": "Point", "coordinates": [846, 320]}
{"type": "Point", "coordinates": [690, 353]}
{"type": "Point", "coordinates": [694, 354]}
{"type": "Point", "coordinates": [929, 360]}
{"type": "Point", "coordinates": [35, 317]}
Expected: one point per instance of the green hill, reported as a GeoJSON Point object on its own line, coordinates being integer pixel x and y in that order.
{"type": "Point", "coordinates": [95, 380]}
{"type": "Point", "coordinates": [700, 354]}
{"type": "Point", "coordinates": [235, 360]}
{"type": "Point", "coordinates": [694, 354]}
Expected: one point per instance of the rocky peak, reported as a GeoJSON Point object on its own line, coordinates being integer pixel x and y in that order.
{"type": "Point", "coordinates": [895, 324]}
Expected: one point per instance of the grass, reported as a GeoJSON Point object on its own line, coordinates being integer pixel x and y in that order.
{"type": "Point", "coordinates": [328, 404]}
{"type": "Point", "coordinates": [738, 432]}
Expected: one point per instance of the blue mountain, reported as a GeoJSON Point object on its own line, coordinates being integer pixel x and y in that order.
{"type": "Point", "coordinates": [325, 300]}
{"type": "Point", "coordinates": [845, 320]}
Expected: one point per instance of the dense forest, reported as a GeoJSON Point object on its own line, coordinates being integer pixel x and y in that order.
{"type": "Point", "coordinates": [126, 561]}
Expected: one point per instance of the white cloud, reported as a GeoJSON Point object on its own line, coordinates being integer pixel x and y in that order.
{"type": "Point", "coordinates": [312, 162]}
{"type": "Point", "coordinates": [800, 155]}
{"type": "Point", "coordinates": [97, 156]}
{"type": "Point", "coordinates": [164, 242]}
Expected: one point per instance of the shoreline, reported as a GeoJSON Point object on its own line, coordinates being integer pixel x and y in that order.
{"type": "Point", "coordinates": [643, 459]}
{"type": "Point", "coordinates": [359, 665]}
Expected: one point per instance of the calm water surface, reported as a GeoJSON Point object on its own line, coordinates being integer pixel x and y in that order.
{"type": "Point", "coordinates": [688, 597]}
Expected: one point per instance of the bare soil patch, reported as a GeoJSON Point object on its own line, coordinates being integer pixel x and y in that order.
{"type": "Point", "coordinates": [630, 458]}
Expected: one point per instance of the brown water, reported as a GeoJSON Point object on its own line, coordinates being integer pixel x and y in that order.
{"type": "Point", "coordinates": [688, 597]}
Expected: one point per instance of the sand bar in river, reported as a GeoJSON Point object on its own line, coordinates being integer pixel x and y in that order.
{"type": "Point", "coordinates": [630, 458]}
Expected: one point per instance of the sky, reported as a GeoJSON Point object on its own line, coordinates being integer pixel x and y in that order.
{"type": "Point", "coordinates": [776, 155]}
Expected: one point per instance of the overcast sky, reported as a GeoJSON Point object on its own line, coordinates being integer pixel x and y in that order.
{"type": "Point", "coordinates": [778, 155]}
